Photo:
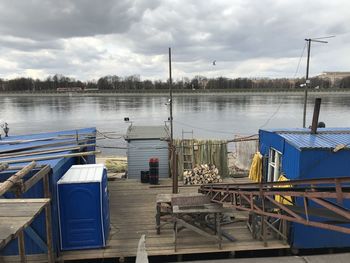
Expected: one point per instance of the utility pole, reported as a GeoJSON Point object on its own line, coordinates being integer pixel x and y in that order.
{"type": "Point", "coordinates": [172, 146]}
{"type": "Point", "coordinates": [307, 83]}
{"type": "Point", "coordinates": [307, 79]}
{"type": "Point", "coordinates": [171, 98]}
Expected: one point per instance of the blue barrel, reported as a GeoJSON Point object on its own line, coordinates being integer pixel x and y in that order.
{"type": "Point", "coordinates": [154, 171]}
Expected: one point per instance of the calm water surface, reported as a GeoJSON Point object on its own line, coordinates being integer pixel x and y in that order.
{"type": "Point", "coordinates": [209, 116]}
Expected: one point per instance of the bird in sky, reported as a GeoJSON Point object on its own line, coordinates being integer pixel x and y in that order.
{"type": "Point", "coordinates": [214, 62]}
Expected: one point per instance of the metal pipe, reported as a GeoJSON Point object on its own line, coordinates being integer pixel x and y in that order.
{"type": "Point", "coordinates": [316, 115]}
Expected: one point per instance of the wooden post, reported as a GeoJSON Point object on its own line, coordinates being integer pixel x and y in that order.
{"type": "Point", "coordinates": [21, 247]}
{"type": "Point", "coordinates": [218, 228]}
{"type": "Point", "coordinates": [6, 185]}
{"type": "Point", "coordinates": [3, 166]}
{"type": "Point", "coordinates": [48, 223]}
{"type": "Point", "coordinates": [159, 209]}
{"type": "Point", "coordinates": [174, 170]}
{"type": "Point", "coordinates": [36, 177]}
{"type": "Point", "coordinates": [175, 234]}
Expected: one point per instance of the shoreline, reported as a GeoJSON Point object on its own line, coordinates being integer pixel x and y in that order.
{"type": "Point", "coordinates": [175, 93]}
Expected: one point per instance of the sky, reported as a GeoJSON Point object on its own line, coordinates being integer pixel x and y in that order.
{"type": "Point", "coordinates": [86, 39]}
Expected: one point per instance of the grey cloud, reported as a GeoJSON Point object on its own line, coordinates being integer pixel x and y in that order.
{"type": "Point", "coordinates": [36, 19]}
{"type": "Point", "coordinates": [253, 30]}
{"type": "Point", "coordinates": [131, 32]}
{"type": "Point", "coordinates": [24, 44]}
{"type": "Point", "coordinates": [59, 59]}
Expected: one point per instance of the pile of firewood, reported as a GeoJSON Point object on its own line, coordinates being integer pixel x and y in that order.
{"type": "Point", "coordinates": [202, 174]}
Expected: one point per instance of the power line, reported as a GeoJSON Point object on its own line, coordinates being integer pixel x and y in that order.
{"type": "Point", "coordinates": [301, 56]}
{"type": "Point", "coordinates": [273, 115]}
{"type": "Point", "coordinates": [280, 104]}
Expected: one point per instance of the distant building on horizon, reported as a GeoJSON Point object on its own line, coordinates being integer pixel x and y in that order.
{"type": "Point", "coordinates": [69, 89]}
{"type": "Point", "coordinates": [334, 76]}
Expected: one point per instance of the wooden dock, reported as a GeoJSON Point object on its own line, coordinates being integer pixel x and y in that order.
{"type": "Point", "coordinates": [133, 210]}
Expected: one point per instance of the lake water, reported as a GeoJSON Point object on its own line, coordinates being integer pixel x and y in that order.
{"type": "Point", "coordinates": [208, 116]}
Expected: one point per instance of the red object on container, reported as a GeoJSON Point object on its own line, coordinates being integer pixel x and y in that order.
{"type": "Point", "coordinates": [154, 171]}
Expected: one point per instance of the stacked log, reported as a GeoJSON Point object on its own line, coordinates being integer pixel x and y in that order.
{"type": "Point", "coordinates": [202, 174]}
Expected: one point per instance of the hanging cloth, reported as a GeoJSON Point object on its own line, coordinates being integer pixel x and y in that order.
{"type": "Point", "coordinates": [286, 200]}
{"type": "Point", "coordinates": [255, 172]}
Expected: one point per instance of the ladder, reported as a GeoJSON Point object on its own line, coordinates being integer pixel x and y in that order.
{"type": "Point", "coordinates": [187, 150]}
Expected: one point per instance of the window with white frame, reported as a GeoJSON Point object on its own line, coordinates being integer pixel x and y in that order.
{"type": "Point", "coordinates": [274, 168]}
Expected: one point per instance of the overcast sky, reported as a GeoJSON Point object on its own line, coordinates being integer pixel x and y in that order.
{"type": "Point", "coordinates": [88, 39]}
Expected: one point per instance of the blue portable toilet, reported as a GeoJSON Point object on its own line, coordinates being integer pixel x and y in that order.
{"type": "Point", "coordinates": [83, 207]}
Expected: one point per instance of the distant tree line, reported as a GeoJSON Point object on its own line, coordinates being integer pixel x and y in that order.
{"type": "Point", "coordinates": [134, 83]}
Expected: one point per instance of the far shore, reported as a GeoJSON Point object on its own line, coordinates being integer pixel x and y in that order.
{"type": "Point", "coordinates": [175, 93]}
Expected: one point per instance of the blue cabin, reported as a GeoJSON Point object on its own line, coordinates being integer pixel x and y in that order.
{"type": "Point", "coordinates": [35, 234]}
{"type": "Point", "coordinates": [298, 154]}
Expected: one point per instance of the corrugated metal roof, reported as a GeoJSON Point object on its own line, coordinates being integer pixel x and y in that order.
{"type": "Point", "coordinates": [26, 143]}
{"type": "Point", "coordinates": [307, 130]}
{"type": "Point", "coordinates": [326, 138]}
{"type": "Point", "coordinates": [147, 132]}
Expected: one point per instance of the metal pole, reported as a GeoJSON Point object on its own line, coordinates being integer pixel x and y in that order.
{"type": "Point", "coordinates": [307, 80]}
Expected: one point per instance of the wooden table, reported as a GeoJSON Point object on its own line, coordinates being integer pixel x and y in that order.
{"type": "Point", "coordinates": [194, 218]}
{"type": "Point", "coordinates": [190, 211]}
{"type": "Point", "coordinates": [164, 208]}
{"type": "Point", "coordinates": [15, 215]}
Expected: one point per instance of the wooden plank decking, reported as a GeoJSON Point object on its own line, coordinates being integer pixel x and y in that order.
{"type": "Point", "coordinates": [133, 209]}
{"type": "Point", "coordinates": [16, 214]}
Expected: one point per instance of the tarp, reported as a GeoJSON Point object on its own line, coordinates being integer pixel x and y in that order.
{"type": "Point", "coordinates": [255, 172]}
{"type": "Point", "coordinates": [205, 152]}
{"type": "Point", "coordinates": [286, 200]}
{"type": "Point", "coordinates": [244, 152]}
